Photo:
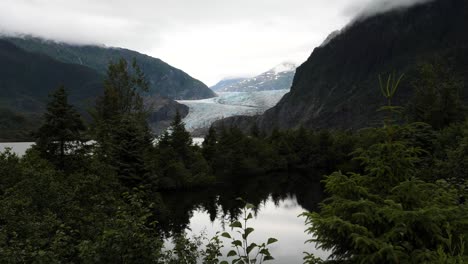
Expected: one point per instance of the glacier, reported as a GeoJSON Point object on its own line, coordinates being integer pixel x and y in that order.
{"type": "Point", "coordinates": [202, 113]}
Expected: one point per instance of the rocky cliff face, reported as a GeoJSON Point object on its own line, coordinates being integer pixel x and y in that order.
{"type": "Point", "coordinates": [163, 112]}
{"type": "Point", "coordinates": [337, 87]}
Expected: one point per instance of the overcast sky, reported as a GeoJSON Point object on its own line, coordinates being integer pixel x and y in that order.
{"type": "Point", "coordinates": [209, 39]}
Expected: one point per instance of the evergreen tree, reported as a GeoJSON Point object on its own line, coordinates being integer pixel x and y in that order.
{"type": "Point", "coordinates": [209, 144]}
{"type": "Point", "coordinates": [181, 164]}
{"type": "Point", "coordinates": [181, 140]}
{"type": "Point", "coordinates": [61, 134]}
{"type": "Point", "coordinates": [437, 96]}
{"type": "Point", "coordinates": [120, 123]}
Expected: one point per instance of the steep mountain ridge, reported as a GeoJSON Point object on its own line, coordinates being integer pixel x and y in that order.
{"type": "Point", "coordinates": [337, 86]}
{"type": "Point", "coordinates": [278, 78]}
{"type": "Point", "coordinates": [164, 79]}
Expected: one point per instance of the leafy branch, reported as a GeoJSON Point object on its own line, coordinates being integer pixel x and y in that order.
{"type": "Point", "coordinates": [243, 251]}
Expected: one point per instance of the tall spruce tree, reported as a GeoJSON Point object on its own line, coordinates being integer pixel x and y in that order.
{"type": "Point", "coordinates": [62, 131]}
{"type": "Point", "coordinates": [181, 140]}
{"type": "Point", "coordinates": [120, 122]}
{"type": "Point", "coordinates": [209, 146]}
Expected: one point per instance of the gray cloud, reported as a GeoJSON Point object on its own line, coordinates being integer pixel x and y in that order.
{"type": "Point", "coordinates": [374, 7]}
{"type": "Point", "coordinates": [209, 39]}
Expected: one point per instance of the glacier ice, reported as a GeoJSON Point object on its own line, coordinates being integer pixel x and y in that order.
{"type": "Point", "coordinates": [202, 113]}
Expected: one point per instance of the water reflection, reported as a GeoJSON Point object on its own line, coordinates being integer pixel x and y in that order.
{"type": "Point", "coordinates": [279, 199]}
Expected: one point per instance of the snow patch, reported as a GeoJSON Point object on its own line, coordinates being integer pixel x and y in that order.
{"type": "Point", "coordinates": [284, 67]}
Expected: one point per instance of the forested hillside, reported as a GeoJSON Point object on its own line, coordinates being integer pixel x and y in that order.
{"type": "Point", "coordinates": [164, 79]}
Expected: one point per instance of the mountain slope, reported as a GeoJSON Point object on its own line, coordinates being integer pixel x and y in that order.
{"type": "Point", "coordinates": [278, 78]}
{"type": "Point", "coordinates": [226, 83]}
{"type": "Point", "coordinates": [26, 79]}
{"type": "Point", "coordinates": [337, 86]}
{"type": "Point", "coordinates": [164, 79]}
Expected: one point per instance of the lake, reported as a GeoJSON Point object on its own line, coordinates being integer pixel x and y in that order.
{"type": "Point", "coordinates": [279, 198]}
{"type": "Point", "coordinates": [17, 147]}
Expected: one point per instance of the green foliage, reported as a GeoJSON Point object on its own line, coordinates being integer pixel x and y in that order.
{"type": "Point", "coordinates": [212, 253]}
{"type": "Point", "coordinates": [49, 217]}
{"type": "Point", "coordinates": [128, 237]}
{"type": "Point", "coordinates": [243, 251]}
{"type": "Point", "coordinates": [437, 99]}
{"type": "Point", "coordinates": [185, 251]}
{"type": "Point", "coordinates": [390, 87]}
{"type": "Point", "coordinates": [120, 123]}
{"type": "Point", "coordinates": [178, 162]}
{"type": "Point", "coordinates": [60, 138]}
{"type": "Point", "coordinates": [386, 214]}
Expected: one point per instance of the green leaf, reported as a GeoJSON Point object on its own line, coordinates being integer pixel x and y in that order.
{"type": "Point", "coordinates": [231, 253]}
{"type": "Point", "coordinates": [265, 252]}
{"type": "Point", "coordinates": [251, 247]}
{"type": "Point", "coordinates": [224, 262]}
{"type": "Point", "coordinates": [236, 224]}
{"type": "Point", "coordinates": [268, 257]}
{"type": "Point", "coordinates": [248, 230]}
{"type": "Point", "coordinates": [271, 240]}
{"type": "Point", "coordinates": [250, 216]}
{"type": "Point", "coordinates": [249, 206]}
{"type": "Point", "coordinates": [237, 243]}
{"type": "Point", "coordinates": [226, 235]}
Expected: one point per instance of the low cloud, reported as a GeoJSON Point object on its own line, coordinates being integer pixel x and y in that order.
{"type": "Point", "coordinates": [375, 7]}
{"type": "Point", "coordinates": [209, 39]}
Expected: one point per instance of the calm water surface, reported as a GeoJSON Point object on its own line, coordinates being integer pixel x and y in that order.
{"type": "Point", "coordinates": [17, 147]}
{"type": "Point", "coordinates": [280, 199]}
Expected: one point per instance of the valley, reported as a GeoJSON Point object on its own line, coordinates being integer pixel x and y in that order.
{"type": "Point", "coordinates": [202, 113]}
{"type": "Point", "coordinates": [357, 155]}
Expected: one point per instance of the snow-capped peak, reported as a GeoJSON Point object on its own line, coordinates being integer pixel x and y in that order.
{"type": "Point", "coordinates": [284, 67]}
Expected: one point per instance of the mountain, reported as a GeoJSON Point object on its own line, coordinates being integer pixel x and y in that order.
{"type": "Point", "coordinates": [27, 78]}
{"type": "Point", "coordinates": [278, 78]}
{"type": "Point", "coordinates": [164, 79]}
{"type": "Point", "coordinates": [337, 87]}
{"type": "Point", "coordinates": [226, 83]}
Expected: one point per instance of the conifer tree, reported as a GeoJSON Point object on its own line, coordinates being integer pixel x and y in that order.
{"type": "Point", "coordinates": [62, 131]}
{"type": "Point", "coordinates": [181, 140]}
{"type": "Point", "coordinates": [437, 99]}
{"type": "Point", "coordinates": [209, 144]}
{"type": "Point", "coordinates": [120, 122]}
